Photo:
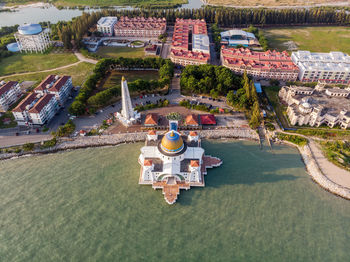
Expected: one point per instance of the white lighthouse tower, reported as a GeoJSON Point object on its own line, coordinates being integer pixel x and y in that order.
{"type": "Point", "coordinates": [127, 116]}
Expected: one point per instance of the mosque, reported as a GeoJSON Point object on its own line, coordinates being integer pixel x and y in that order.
{"type": "Point", "coordinates": [172, 161]}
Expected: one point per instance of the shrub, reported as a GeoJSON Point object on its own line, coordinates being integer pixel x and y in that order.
{"type": "Point", "coordinates": [49, 143]}
{"type": "Point", "coordinates": [28, 147]}
{"type": "Point", "coordinates": [298, 140]}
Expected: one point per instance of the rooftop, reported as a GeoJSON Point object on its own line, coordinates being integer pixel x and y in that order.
{"type": "Point", "coordinates": [107, 21]}
{"type": "Point", "coordinates": [59, 83]}
{"type": "Point", "coordinates": [149, 23]}
{"type": "Point", "coordinates": [29, 99]}
{"type": "Point", "coordinates": [41, 103]}
{"type": "Point", "coordinates": [237, 32]}
{"type": "Point", "coordinates": [7, 87]}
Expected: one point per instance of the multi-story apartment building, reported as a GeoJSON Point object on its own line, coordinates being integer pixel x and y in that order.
{"type": "Point", "coordinates": [269, 64]}
{"type": "Point", "coordinates": [20, 112]}
{"type": "Point", "coordinates": [9, 93]}
{"type": "Point", "coordinates": [43, 110]}
{"type": "Point", "coordinates": [190, 43]}
{"type": "Point", "coordinates": [40, 106]}
{"type": "Point", "coordinates": [317, 106]}
{"type": "Point", "coordinates": [150, 27]}
{"type": "Point", "coordinates": [32, 38]}
{"type": "Point", "coordinates": [60, 86]}
{"type": "Point", "coordinates": [333, 67]}
{"type": "Point", "coordinates": [106, 25]}
{"type": "Point", "coordinates": [36, 109]}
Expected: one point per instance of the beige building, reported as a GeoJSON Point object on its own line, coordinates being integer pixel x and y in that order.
{"type": "Point", "coordinates": [317, 106]}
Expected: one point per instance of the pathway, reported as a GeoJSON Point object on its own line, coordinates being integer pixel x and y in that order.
{"type": "Point", "coordinates": [330, 170]}
{"type": "Point", "coordinates": [82, 58]}
{"type": "Point", "coordinates": [42, 71]}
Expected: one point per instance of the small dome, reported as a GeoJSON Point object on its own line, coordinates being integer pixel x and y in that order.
{"type": "Point", "coordinates": [172, 142]}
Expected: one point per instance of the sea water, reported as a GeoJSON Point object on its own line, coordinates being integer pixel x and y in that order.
{"type": "Point", "coordinates": [86, 205]}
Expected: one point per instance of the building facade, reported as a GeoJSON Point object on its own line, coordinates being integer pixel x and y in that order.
{"type": "Point", "coordinates": [264, 65]}
{"type": "Point", "coordinates": [317, 106]}
{"type": "Point", "coordinates": [190, 43]}
{"type": "Point", "coordinates": [10, 92]}
{"type": "Point", "coordinates": [151, 27]}
{"type": "Point", "coordinates": [106, 25]}
{"type": "Point", "coordinates": [333, 67]}
{"type": "Point", "coordinates": [32, 38]}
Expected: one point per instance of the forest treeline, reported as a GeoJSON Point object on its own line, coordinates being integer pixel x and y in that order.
{"type": "Point", "coordinates": [224, 17]}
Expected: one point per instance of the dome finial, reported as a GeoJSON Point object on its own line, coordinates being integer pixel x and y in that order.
{"type": "Point", "coordinates": [172, 133]}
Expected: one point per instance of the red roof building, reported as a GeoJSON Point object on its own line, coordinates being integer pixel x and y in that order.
{"type": "Point", "coordinates": [269, 64]}
{"type": "Point", "coordinates": [181, 49]}
{"type": "Point", "coordinates": [140, 27]}
{"type": "Point", "coordinates": [208, 119]}
{"type": "Point", "coordinates": [151, 119]}
{"type": "Point", "coordinates": [25, 102]}
{"type": "Point", "coordinates": [192, 120]}
{"type": "Point", "coordinates": [41, 103]}
{"type": "Point", "coordinates": [45, 84]}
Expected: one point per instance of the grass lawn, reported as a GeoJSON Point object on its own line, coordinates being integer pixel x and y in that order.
{"type": "Point", "coordinates": [315, 39]}
{"type": "Point", "coordinates": [337, 152]}
{"type": "Point", "coordinates": [21, 63]}
{"type": "Point", "coordinates": [78, 72]}
{"type": "Point", "coordinates": [115, 77]}
{"type": "Point", "coordinates": [114, 52]}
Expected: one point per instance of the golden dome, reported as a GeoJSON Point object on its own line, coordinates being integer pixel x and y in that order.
{"type": "Point", "coordinates": [172, 142]}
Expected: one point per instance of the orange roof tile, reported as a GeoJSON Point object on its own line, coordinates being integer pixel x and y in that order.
{"type": "Point", "coordinates": [194, 163]}
{"type": "Point", "coordinates": [151, 119]}
{"type": "Point", "coordinates": [192, 120]}
{"type": "Point", "coordinates": [147, 162]}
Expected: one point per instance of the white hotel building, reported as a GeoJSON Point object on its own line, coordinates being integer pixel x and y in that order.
{"type": "Point", "coordinates": [106, 25]}
{"type": "Point", "coordinates": [10, 92]}
{"type": "Point", "coordinates": [32, 38]}
{"type": "Point", "coordinates": [333, 67]}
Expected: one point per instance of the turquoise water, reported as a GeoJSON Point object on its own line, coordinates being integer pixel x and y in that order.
{"type": "Point", "coordinates": [86, 205]}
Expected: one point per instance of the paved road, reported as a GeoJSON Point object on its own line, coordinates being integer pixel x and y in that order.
{"type": "Point", "coordinates": [19, 140]}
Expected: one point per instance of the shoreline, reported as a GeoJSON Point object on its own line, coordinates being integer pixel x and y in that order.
{"type": "Point", "coordinates": [312, 168]}
{"type": "Point", "coordinates": [316, 174]}
{"type": "Point", "coordinates": [126, 138]}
